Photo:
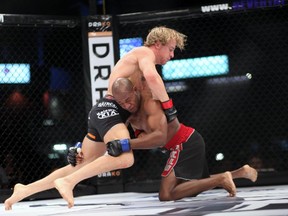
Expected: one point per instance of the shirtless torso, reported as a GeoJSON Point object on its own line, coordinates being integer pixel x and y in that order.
{"type": "Point", "coordinates": [148, 108]}
{"type": "Point", "coordinates": [132, 64]}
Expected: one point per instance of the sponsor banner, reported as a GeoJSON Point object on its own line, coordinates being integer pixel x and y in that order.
{"type": "Point", "coordinates": [101, 60]}
{"type": "Point", "coordinates": [101, 54]}
{"type": "Point", "coordinates": [242, 5]}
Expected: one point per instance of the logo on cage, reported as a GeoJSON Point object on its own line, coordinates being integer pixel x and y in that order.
{"type": "Point", "coordinates": [1, 18]}
{"type": "Point", "coordinates": [114, 173]}
{"type": "Point", "coordinates": [242, 5]}
{"type": "Point", "coordinates": [101, 54]}
{"type": "Point", "coordinates": [99, 24]}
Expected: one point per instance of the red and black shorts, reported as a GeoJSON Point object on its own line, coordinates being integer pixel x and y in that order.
{"type": "Point", "coordinates": [188, 159]}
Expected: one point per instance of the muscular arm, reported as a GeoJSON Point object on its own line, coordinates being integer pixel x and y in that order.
{"type": "Point", "coordinates": [156, 84]}
{"type": "Point", "coordinates": [153, 79]}
{"type": "Point", "coordinates": [156, 129]}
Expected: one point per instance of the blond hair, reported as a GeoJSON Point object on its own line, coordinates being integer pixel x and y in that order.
{"type": "Point", "coordinates": [164, 35]}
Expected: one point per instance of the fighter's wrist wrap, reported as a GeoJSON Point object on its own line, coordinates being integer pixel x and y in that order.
{"type": "Point", "coordinates": [167, 104]}
{"type": "Point", "coordinates": [73, 152]}
{"type": "Point", "coordinates": [125, 144]}
{"type": "Point", "coordinates": [169, 110]}
{"type": "Point", "coordinates": [117, 147]}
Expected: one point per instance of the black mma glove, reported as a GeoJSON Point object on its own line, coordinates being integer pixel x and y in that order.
{"type": "Point", "coordinates": [169, 110]}
{"type": "Point", "coordinates": [73, 152]}
{"type": "Point", "coordinates": [117, 147]}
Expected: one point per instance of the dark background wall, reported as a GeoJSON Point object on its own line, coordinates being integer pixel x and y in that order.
{"type": "Point", "coordinates": [81, 7]}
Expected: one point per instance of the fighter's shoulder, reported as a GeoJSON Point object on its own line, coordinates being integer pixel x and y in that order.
{"type": "Point", "coordinates": [143, 50]}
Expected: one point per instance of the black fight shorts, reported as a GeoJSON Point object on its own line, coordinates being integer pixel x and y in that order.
{"type": "Point", "coordinates": [192, 163]}
{"type": "Point", "coordinates": [103, 116]}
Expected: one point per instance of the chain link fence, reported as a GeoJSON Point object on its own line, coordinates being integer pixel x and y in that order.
{"type": "Point", "coordinates": [42, 95]}
{"type": "Point", "coordinates": [230, 83]}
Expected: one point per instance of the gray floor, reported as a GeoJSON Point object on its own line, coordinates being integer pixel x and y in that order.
{"type": "Point", "coordinates": [259, 200]}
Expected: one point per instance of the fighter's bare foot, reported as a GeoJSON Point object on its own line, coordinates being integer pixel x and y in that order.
{"type": "Point", "coordinates": [249, 172]}
{"type": "Point", "coordinates": [20, 191]}
{"type": "Point", "coordinates": [66, 190]}
{"type": "Point", "coordinates": [228, 184]}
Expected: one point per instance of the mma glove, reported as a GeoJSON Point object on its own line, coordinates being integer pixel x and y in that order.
{"type": "Point", "coordinates": [73, 152]}
{"type": "Point", "coordinates": [169, 110]}
{"type": "Point", "coordinates": [117, 147]}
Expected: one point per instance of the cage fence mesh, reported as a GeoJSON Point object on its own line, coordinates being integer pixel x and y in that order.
{"type": "Point", "coordinates": [42, 98]}
{"type": "Point", "coordinates": [230, 84]}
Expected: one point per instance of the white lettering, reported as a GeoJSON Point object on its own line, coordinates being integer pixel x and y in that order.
{"type": "Point", "coordinates": [213, 8]}
{"type": "Point", "coordinates": [107, 104]}
{"type": "Point", "coordinates": [101, 57]}
{"type": "Point", "coordinates": [107, 113]}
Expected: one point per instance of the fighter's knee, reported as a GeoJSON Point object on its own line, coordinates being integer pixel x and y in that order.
{"type": "Point", "coordinates": [127, 160]}
{"type": "Point", "coordinates": [164, 196]}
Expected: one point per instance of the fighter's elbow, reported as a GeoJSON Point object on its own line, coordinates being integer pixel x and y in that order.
{"type": "Point", "coordinates": [162, 138]}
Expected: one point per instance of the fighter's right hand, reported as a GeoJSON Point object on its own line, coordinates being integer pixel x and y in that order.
{"type": "Point", "coordinates": [73, 154]}
{"type": "Point", "coordinates": [169, 110]}
{"type": "Point", "coordinates": [117, 147]}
